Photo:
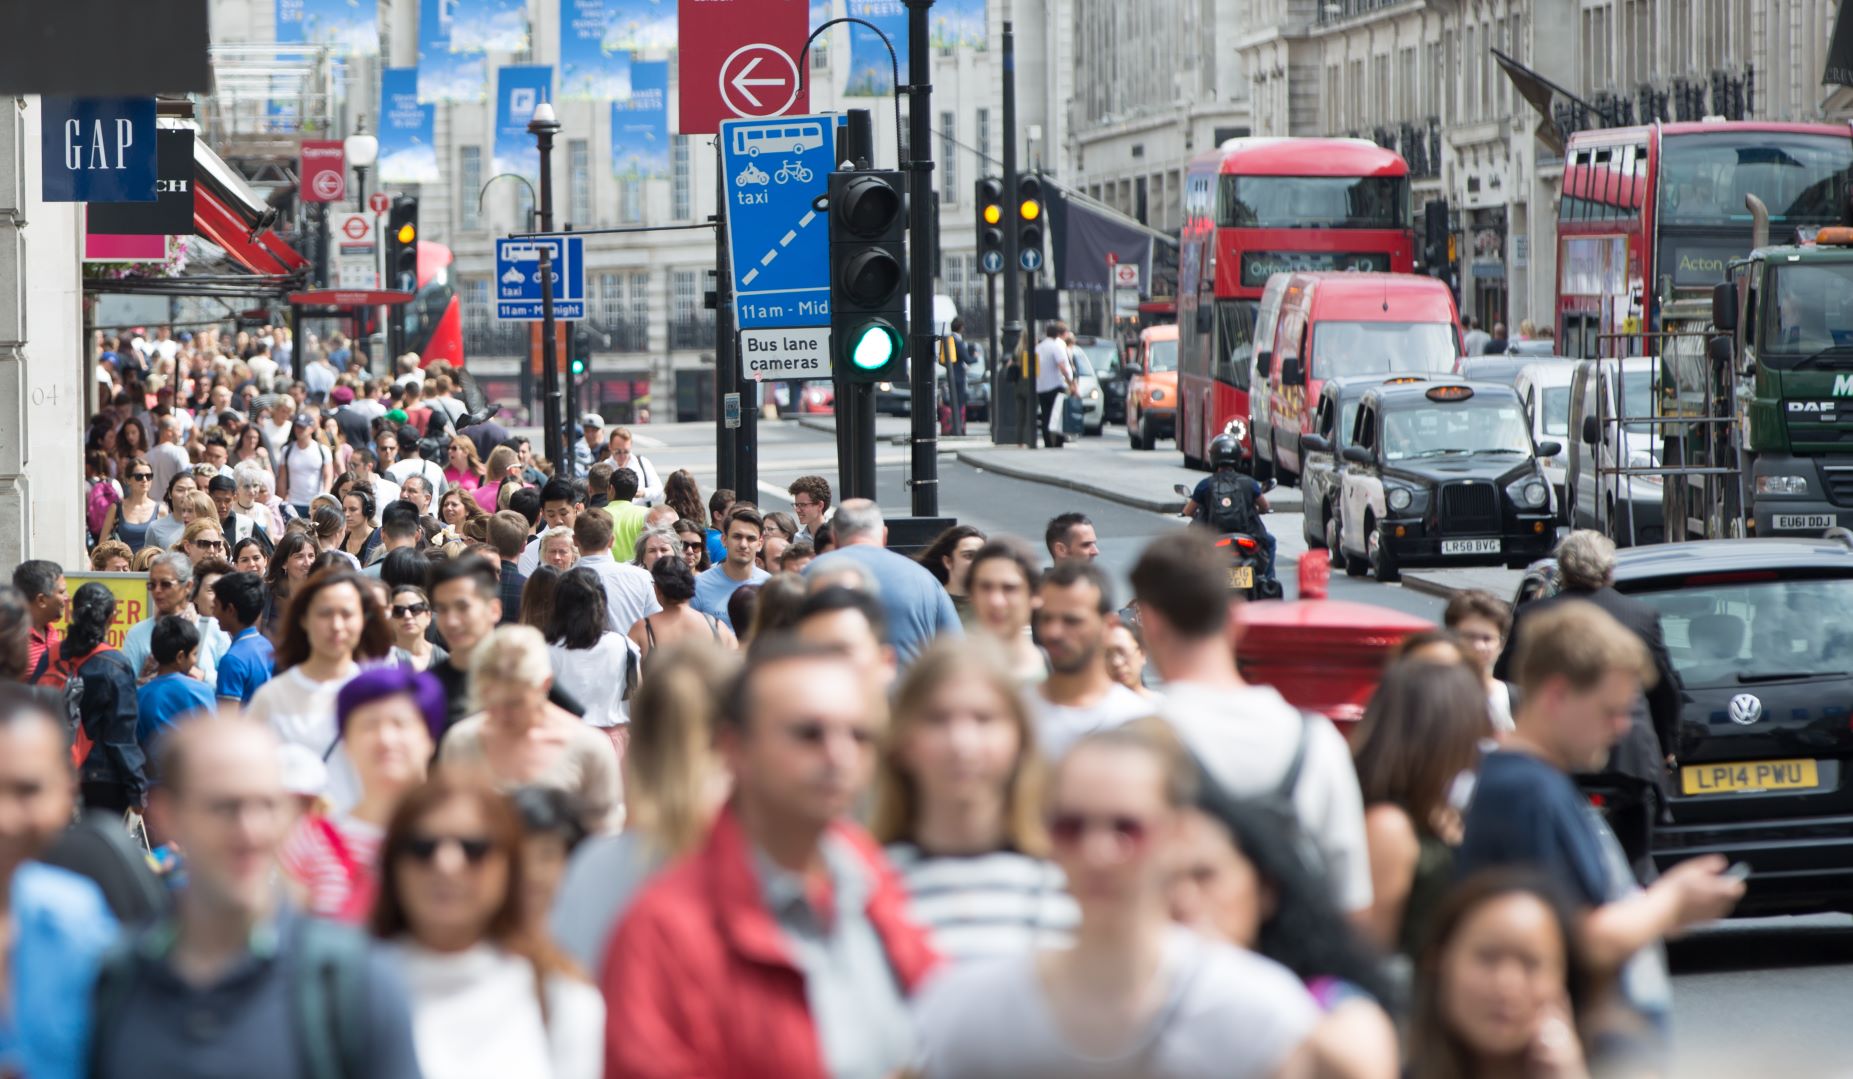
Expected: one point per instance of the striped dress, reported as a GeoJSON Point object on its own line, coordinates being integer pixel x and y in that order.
{"type": "Point", "coordinates": [986, 906]}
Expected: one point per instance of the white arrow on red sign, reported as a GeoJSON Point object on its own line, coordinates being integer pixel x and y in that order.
{"type": "Point", "coordinates": [741, 74]}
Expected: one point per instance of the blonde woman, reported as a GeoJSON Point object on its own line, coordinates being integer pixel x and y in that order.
{"type": "Point", "coordinates": [462, 467]}
{"type": "Point", "coordinates": [959, 806]}
{"type": "Point", "coordinates": [674, 782]}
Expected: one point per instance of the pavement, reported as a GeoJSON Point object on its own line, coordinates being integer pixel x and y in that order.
{"type": "Point", "coordinates": [1444, 583]}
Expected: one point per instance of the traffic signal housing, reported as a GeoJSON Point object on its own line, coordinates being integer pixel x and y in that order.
{"type": "Point", "coordinates": [868, 275]}
{"type": "Point", "coordinates": [402, 244]}
{"type": "Point", "coordinates": [1031, 211]}
{"type": "Point", "coordinates": [991, 224]}
{"type": "Point", "coordinates": [1435, 246]}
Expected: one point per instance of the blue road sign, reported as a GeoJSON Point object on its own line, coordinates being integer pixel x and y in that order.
{"type": "Point", "coordinates": [517, 277]}
{"type": "Point", "coordinates": [1030, 259]}
{"type": "Point", "coordinates": [992, 262]}
{"type": "Point", "coordinates": [776, 170]}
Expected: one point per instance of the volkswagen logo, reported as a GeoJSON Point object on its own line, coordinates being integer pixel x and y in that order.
{"type": "Point", "coordinates": [1746, 709]}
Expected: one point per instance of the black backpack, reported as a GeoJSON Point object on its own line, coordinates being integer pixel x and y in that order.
{"type": "Point", "coordinates": [1232, 504]}
{"type": "Point", "coordinates": [1275, 807]}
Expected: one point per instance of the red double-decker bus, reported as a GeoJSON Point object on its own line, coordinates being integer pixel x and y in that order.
{"type": "Point", "coordinates": [1255, 207]}
{"type": "Point", "coordinates": [434, 318]}
{"type": "Point", "coordinates": [1651, 215]}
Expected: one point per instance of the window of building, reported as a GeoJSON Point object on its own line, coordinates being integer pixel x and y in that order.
{"type": "Point", "coordinates": [679, 178]}
{"type": "Point", "coordinates": [684, 293]}
{"type": "Point", "coordinates": [476, 312]}
{"type": "Point", "coordinates": [579, 184]}
{"type": "Point", "coordinates": [948, 158]}
{"type": "Point", "coordinates": [630, 201]}
{"type": "Point", "coordinates": [470, 174]}
{"type": "Point", "coordinates": [610, 299]}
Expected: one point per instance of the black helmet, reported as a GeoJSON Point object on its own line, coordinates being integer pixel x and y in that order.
{"type": "Point", "coordinates": [1225, 451]}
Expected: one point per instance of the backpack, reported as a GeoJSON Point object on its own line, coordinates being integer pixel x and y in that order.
{"type": "Point", "coordinates": [1276, 808]}
{"type": "Point", "coordinates": [1232, 505]}
{"type": "Point", "coordinates": [97, 503]}
{"type": "Point", "coordinates": [328, 997]}
{"type": "Point", "coordinates": [66, 676]}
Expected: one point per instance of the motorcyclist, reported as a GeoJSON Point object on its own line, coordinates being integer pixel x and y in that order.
{"type": "Point", "coordinates": [1229, 501]}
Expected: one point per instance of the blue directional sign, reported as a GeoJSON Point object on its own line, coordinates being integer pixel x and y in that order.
{"type": "Point", "coordinates": [1030, 259]}
{"type": "Point", "coordinates": [776, 171]}
{"type": "Point", "coordinates": [517, 277]}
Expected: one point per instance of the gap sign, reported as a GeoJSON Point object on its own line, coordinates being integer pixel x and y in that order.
{"type": "Point", "coordinates": [97, 149]}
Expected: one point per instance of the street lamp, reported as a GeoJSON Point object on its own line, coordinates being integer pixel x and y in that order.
{"type": "Point", "coordinates": [543, 126]}
{"type": "Point", "coordinates": [362, 150]}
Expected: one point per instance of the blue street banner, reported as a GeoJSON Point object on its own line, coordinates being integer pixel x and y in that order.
{"type": "Point", "coordinates": [408, 152]}
{"type": "Point", "coordinates": [444, 75]}
{"type": "Point", "coordinates": [641, 25]}
{"type": "Point", "coordinates": [871, 73]}
{"type": "Point", "coordinates": [488, 26]}
{"type": "Point", "coordinates": [958, 24]}
{"type": "Point", "coordinates": [98, 149]}
{"type": "Point", "coordinates": [517, 90]}
{"type": "Point", "coordinates": [821, 12]}
{"type": "Point", "coordinates": [592, 66]}
{"type": "Point", "coordinates": [640, 124]}
{"type": "Point", "coordinates": [352, 28]}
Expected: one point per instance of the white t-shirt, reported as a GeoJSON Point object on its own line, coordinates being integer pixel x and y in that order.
{"type": "Point", "coordinates": [1052, 365]}
{"type": "Point", "coordinates": [597, 677]}
{"type": "Point", "coordinates": [1227, 1014]}
{"type": "Point", "coordinates": [1059, 726]}
{"type": "Point", "coordinates": [1246, 739]}
{"type": "Point", "coordinates": [477, 1012]}
{"type": "Point", "coordinates": [433, 474]}
{"type": "Point", "coordinates": [302, 710]}
{"type": "Point", "coordinates": [384, 491]}
{"type": "Point", "coordinates": [305, 468]}
{"type": "Point", "coordinates": [630, 594]}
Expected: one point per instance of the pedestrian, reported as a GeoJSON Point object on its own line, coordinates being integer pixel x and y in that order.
{"type": "Point", "coordinates": [674, 783]}
{"type": "Point", "coordinates": [502, 475]}
{"type": "Point", "coordinates": [798, 557]}
{"type": "Point", "coordinates": [1421, 733]}
{"type": "Point", "coordinates": [649, 483]}
{"type": "Point", "coordinates": [41, 584]}
{"type": "Point", "coordinates": [694, 544]}
{"type": "Point", "coordinates": [810, 500]}
{"type": "Point", "coordinates": [590, 449]}
{"type": "Point", "coordinates": [1475, 339]}
{"type": "Point", "coordinates": [917, 606]}
{"type": "Point", "coordinates": [168, 458]}
{"type": "Point", "coordinates": [949, 559]}
{"type": "Point", "coordinates": [1580, 673]}
{"type": "Point", "coordinates": [720, 503]}
{"type": "Point", "coordinates": [683, 495]}
{"type": "Point", "coordinates": [173, 693]}
{"type": "Point", "coordinates": [181, 511]}
{"type": "Point", "coordinates": [559, 550]}
{"type": "Point", "coordinates": [1002, 582]}
{"type": "Point", "coordinates": [537, 597]}
{"type": "Point", "coordinates": [398, 531]}
{"type": "Point", "coordinates": [236, 982]}
{"type": "Point", "coordinates": [58, 925]}
{"type": "Point", "coordinates": [1501, 987]}
{"type": "Point", "coordinates": [238, 601]}
{"type": "Point", "coordinates": [1054, 376]}
{"type": "Point", "coordinates": [817, 986]}
{"type": "Point", "coordinates": [1248, 738]}
{"type": "Point", "coordinates": [518, 737]}
{"type": "Point", "coordinates": [1497, 345]}
{"type": "Point", "coordinates": [305, 468]}
{"type": "Point", "coordinates": [110, 556]}
{"type": "Point", "coordinates": [1638, 768]}
{"type": "Point", "coordinates": [656, 543]}
{"type": "Point", "coordinates": [463, 469]}
{"type": "Point", "coordinates": [598, 667]}
{"type": "Point", "coordinates": [628, 518]}
{"type": "Point", "coordinates": [389, 719]}
{"type": "Point", "coordinates": [675, 585]}
{"type": "Point", "coordinates": [550, 832]}
{"type": "Point", "coordinates": [456, 510]}
{"type": "Point", "coordinates": [1238, 878]}
{"type": "Point", "coordinates": [715, 587]}
{"type": "Point", "coordinates": [290, 564]}
{"type": "Point", "coordinates": [251, 516]}
{"type": "Point", "coordinates": [1074, 607]}
{"type": "Point", "coordinates": [959, 809]}
{"type": "Point", "coordinates": [629, 592]}
{"type": "Point", "coordinates": [508, 534]}
{"type": "Point", "coordinates": [411, 624]}
{"type": "Point", "coordinates": [852, 623]}
{"type": "Point", "coordinates": [487, 997]}
{"type": "Point", "coordinates": [360, 539]}
{"type": "Point", "coordinates": [1482, 621]}
{"type": "Point", "coordinates": [1071, 535]}
{"type": "Point", "coordinates": [130, 519]}
{"type": "Point", "coordinates": [466, 604]}
{"type": "Point", "coordinates": [100, 704]}
{"type": "Point", "coordinates": [1135, 994]}
{"type": "Point", "coordinates": [333, 623]}
{"type": "Point", "coordinates": [561, 503]}
{"type": "Point", "coordinates": [1126, 658]}
{"type": "Point", "coordinates": [412, 461]}
{"type": "Point", "coordinates": [780, 529]}
{"type": "Point", "coordinates": [954, 355]}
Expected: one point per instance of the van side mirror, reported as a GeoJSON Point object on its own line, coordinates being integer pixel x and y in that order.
{"type": "Point", "coordinates": [1292, 371]}
{"type": "Point", "coordinates": [1549, 448]}
{"type": "Point", "coordinates": [1315, 443]}
{"type": "Point", "coordinates": [1264, 364]}
{"type": "Point", "coordinates": [1592, 434]}
{"type": "Point", "coordinates": [1357, 455]}
{"type": "Point", "coordinates": [1724, 306]}
{"type": "Point", "coordinates": [1719, 351]}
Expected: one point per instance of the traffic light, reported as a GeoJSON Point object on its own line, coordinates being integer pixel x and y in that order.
{"type": "Point", "coordinates": [868, 259]}
{"type": "Point", "coordinates": [1435, 238]}
{"type": "Point", "coordinates": [1030, 208]}
{"type": "Point", "coordinates": [402, 244]}
{"type": "Point", "coordinates": [990, 203]}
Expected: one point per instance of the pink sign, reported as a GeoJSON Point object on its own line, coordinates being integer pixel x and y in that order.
{"type": "Point", "coordinates": [102, 247]}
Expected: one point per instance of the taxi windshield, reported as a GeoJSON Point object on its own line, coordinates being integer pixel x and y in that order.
{"type": "Point", "coordinates": [1163, 355]}
{"type": "Point", "coordinates": [1372, 348]}
{"type": "Point", "coordinates": [1440, 429]}
{"type": "Point", "coordinates": [1737, 634]}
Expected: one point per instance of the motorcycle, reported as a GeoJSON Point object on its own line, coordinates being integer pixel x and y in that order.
{"type": "Point", "coordinates": [1245, 558]}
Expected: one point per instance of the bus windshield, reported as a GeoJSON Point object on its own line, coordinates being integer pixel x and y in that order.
{"type": "Point", "coordinates": [1802, 178]}
{"type": "Point", "coordinates": [1314, 202]}
{"type": "Point", "coordinates": [1472, 426]}
{"type": "Point", "coordinates": [1370, 348]}
{"type": "Point", "coordinates": [1811, 311]}
{"type": "Point", "coordinates": [1164, 355]}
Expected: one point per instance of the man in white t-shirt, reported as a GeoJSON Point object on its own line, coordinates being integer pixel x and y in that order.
{"type": "Point", "coordinates": [1079, 696]}
{"type": "Point", "coordinates": [1246, 737]}
{"type": "Point", "coordinates": [1054, 372]}
{"type": "Point", "coordinates": [263, 368]}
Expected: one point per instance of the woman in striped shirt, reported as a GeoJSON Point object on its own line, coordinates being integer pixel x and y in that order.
{"type": "Point", "coordinates": [959, 804]}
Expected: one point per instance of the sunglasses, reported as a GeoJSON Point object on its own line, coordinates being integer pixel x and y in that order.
{"type": "Point", "coordinates": [158, 583]}
{"type": "Point", "coordinates": [693, 545]}
{"type": "Point", "coordinates": [410, 611]}
{"type": "Point", "coordinates": [1072, 829]}
{"type": "Point", "coordinates": [210, 545]}
{"type": "Point", "coordinates": [425, 848]}
{"type": "Point", "coordinates": [142, 476]}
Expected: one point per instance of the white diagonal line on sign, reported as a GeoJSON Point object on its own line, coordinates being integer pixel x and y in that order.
{"type": "Point", "coordinates": [788, 238]}
{"type": "Point", "coordinates": [750, 274]}
{"type": "Point", "coordinates": [809, 216]}
{"type": "Point", "coordinates": [770, 255]}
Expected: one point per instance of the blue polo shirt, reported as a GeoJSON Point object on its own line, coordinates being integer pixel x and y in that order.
{"type": "Point", "coordinates": [246, 665]}
{"type": "Point", "coordinates": [164, 700]}
{"type": "Point", "coordinates": [713, 588]}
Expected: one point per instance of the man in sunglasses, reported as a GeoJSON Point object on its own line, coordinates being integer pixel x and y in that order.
{"type": "Point", "coordinates": [816, 955]}
{"type": "Point", "coordinates": [236, 981]}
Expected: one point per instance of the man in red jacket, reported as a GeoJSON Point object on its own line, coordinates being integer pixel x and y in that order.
{"type": "Point", "coordinates": [781, 946]}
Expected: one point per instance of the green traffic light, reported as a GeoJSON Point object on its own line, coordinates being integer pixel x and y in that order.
{"type": "Point", "coordinates": [874, 349]}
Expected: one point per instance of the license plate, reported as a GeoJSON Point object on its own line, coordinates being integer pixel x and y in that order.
{"type": "Point", "coordinates": [1749, 776]}
{"type": "Point", "coordinates": [1241, 576]}
{"type": "Point", "coordinates": [1470, 546]}
{"type": "Point", "coordinates": [1812, 522]}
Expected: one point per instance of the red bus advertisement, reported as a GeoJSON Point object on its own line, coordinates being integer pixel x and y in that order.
{"type": "Point", "coordinates": [1650, 217]}
{"type": "Point", "coordinates": [1256, 207]}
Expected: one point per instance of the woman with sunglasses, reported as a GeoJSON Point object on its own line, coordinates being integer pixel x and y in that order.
{"type": "Point", "coordinates": [331, 625]}
{"type": "Point", "coordinates": [389, 719]}
{"type": "Point", "coordinates": [518, 737]}
{"type": "Point", "coordinates": [463, 469]}
{"type": "Point", "coordinates": [694, 541]}
{"type": "Point", "coordinates": [130, 519]}
{"type": "Point", "coordinates": [488, 998]}
{"type": "Point", "coordinates": [1135, 994]}
{"type": "Point", "coordinates": [202, 539]}
{"type": "Point", "coordinates": [959, 806]}
{"type": "Point", "coordinates": [411, 621]}
{"type": "Point", "coordinates": [181, 510]}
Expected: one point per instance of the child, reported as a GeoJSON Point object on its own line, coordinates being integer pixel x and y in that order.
{"type": "Point", "coordinates": [173, 693]}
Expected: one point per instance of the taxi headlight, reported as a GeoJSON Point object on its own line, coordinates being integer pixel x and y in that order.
{"type": "Point", "coordinates": [884, 387]}
{"type": "Point", "coordinates": [1532, 494]}
{"type": "Point", "coordinates": [1399, 498]}
{"type": "Point", "coordinates": [1093, 395]}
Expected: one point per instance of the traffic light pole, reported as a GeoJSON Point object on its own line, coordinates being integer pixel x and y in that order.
{"type": "Point", "coordinates": [855, 400]}
{"type": "Point", "coordinates": [1013, 288]}
{"type": "Point", "coordinates": [922, 244]}
{"type": "Point", "coordinates": [736, 460]}
{"type": "Point", "coordinates": [549, 362]}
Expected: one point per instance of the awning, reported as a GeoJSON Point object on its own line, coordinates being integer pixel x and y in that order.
{"type": "Point", "coordinates": [1839, 70]}
{"type": "Point", "coordinates": [1083, 235]}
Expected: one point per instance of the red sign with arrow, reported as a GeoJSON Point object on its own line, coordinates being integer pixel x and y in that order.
{"type": "Point", "coordinates": [740, 58]}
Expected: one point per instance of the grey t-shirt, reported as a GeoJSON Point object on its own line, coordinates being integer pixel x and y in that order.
{"type": "Point", "coordinates": [1227, 1014]}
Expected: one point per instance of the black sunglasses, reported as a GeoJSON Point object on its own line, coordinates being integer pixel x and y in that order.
{"type": "Point", "coordinates": [143, 476]}
{"type": "Point", "coordinates": [409, 611]}
{"type": "Point", "coordinates": [425, 848]}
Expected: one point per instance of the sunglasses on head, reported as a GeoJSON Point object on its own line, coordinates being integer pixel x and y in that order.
{"type": "Point", "coordinates": [410, 610]}
{"type": "Point", "coordinates": [425, 848]}
{"type": "Point", "coordinates": [1071, 829]}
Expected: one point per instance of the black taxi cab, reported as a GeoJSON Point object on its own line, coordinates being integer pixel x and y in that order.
{"type": "Point", "coordinates": [1442, 473]}
{"type": "Point", "coordinates": [1321, 463]}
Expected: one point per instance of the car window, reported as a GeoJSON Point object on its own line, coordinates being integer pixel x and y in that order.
{"type": "Point", "coordinates": [1557, 410]}
{"type": "Point", "coordinates": [1083, 368]}
{"type": "Point", "coordinates": [1758, 629]}
{"type": "Point", "coordinates": [1162, 355]}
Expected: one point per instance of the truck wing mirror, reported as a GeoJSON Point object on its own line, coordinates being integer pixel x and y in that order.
{"type": "Point", "coordinates": [1718, 349]}
{"type": "Point", "coordinates": [1724, 306]}
{"type": "Point", "coordinates": [1549, 448]}
{"type": "Point", "coordinates": [1292, 371]}
{"type": "Point", "coordinates": [1592, 434]}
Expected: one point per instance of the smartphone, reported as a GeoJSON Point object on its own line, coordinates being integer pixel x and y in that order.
{"type": "Point", "coordinates": [1739, 871]}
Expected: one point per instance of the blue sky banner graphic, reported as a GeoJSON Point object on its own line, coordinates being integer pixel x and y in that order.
{"type": "Point", "coordinates": [488, 26]}
{"type": "Point", "coordinates": [870, 72]}
{"type": "Point", "coordinates": [444, 75]}
{"type": "Point", "coordinates": [958, 24]}
{"type": "Point", "coordinates": [351, 26]}
{"type": "Point", "coordinates": [640, 125]}
{"type": "Point", "coordinates": [592, 67]}
{"type": "Point", "coordinates": [408, 153]}
{"type": "Point", "coordinates": [517, 90]}
{"type": "Point", "coordinates": [641, 25]}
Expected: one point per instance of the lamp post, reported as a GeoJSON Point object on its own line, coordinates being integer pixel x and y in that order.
{"type": "Point", "coordinates": [362, 149]}
{"type": "Point", "coordinates": [544, 127]}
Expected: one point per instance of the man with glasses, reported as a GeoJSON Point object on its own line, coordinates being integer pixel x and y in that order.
{"type": "Point", "coordinates": [170, 581]}
{"type": "Point", "coordinates": [810, 500]}
{"type": "Point", "coordinates": [649, 484]}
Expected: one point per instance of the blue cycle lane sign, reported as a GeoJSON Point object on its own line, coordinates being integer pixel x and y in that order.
{"type": "Point", "coordinates": [776, 171]}
{"type": "Point", "coordinates": [517, 277]}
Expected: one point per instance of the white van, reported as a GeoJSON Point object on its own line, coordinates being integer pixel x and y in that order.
{"type": "Point", "coordinates": [1627, 508]}
{"type": "Point", "coordinates": [1545, 390]}
{"type": "Point", "coordinates": [1266, 316]}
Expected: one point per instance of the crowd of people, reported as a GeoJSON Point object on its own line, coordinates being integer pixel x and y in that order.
{"type": "Point", "coordinates": [597, 776]}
